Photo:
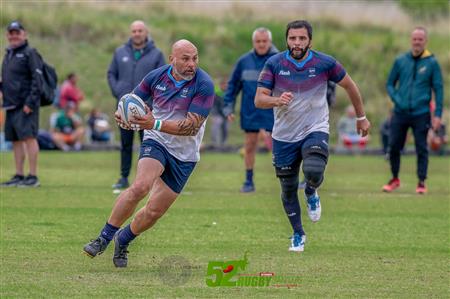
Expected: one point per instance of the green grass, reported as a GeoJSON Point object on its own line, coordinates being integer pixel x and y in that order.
{"type": "Point", "coordinates": [367, 245]}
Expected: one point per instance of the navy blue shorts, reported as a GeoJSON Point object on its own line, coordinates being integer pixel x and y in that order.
{"type": "Point", "coordinates": [290, 154]}
{"type": "Point", "coordinates": [256, 131]}
{"type": "Point", "coordinates": [176, 172]}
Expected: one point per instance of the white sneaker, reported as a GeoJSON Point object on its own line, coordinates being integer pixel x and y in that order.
{"type": "Point", "coordinates": [297, 243]}
{"type": "Point", "coordinates": [314, 208]}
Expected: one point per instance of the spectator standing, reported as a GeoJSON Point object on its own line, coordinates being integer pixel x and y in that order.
{"type": "Point", "coordinates": [245, 78]}
{"type": "Point", "coordinates": [130, 63]}
{"type": "Point", "coordinates": [413, 77]}
{"type": "Point", "coordinates": [21, 88]}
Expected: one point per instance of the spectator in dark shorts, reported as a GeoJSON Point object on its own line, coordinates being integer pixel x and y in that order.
{"type": "Point", "coordinates": [244, 78]}
{"type": "Point", "coordinates": [21, 98]}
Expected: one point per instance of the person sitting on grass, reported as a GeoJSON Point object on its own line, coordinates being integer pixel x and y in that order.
{"type": "Point", "coordinates": [67, 130]}
{"type": "Point", "coordinates": [100, 129]}
{"type": "Point", "coordinates": [347, 130]}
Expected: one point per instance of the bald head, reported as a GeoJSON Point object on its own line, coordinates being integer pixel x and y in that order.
{"type": "Point", "coordinates": [183, 45]}
{"type": "Point", "coordinates": [138, 34]}
{"type": "Point", "coordinates": [138, 24]}
{"type": "Point", "coordinates": [184, 59]}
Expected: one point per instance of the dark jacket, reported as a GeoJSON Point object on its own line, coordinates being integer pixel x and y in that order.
{"type": "Point", "coordinates": [416, 77]}
{"type": "Point", "coordinates": [21, 79]}
{"type": "Point", "coordinates": [125, 73]}
{"type": "Point", "coordinates": [245, 77]}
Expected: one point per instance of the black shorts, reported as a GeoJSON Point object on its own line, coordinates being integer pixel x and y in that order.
{"type": "Point", "coordinates": [20, 126]}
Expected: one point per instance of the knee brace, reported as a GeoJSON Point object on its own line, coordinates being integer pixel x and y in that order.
{"type": "Point", "coordinates": [288, 176]}
{"type": "Point", "coordinates": [313, 168]}
{"type": "Point", "coordinates": [289, 188]}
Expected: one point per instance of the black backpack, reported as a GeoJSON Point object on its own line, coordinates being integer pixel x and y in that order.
{"type": "Point", "coordinates": [49, 82]}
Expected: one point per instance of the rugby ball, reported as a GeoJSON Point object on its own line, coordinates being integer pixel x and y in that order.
{"type": "Point", "coordinates": [130, 105]}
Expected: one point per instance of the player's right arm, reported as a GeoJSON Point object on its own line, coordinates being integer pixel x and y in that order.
{"type": "Point", "coordinates": [362, 123]}
{"type": "Point", "coordinates": [190, 125]}
{"type": "Point", "coordinates": [266, 82]}
{"type": "Point", "coordinates": [264, 100]}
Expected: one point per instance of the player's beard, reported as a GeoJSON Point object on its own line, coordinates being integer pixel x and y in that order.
{"type": "Point", "coordinates": [183, 76]}
{"type": "Point", "coordinates": [302, 53]}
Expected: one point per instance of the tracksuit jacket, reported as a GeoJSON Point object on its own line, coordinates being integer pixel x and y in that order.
{"type": "Point", "coordinates": [416, 77]}
{"type": "Point", "coordinates": [245, 77]}
{"type": "Point", "coordinates": [125, 73]}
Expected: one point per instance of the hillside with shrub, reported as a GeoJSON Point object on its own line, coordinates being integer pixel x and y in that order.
{"type": "Point", "coordinates": [81, 37]}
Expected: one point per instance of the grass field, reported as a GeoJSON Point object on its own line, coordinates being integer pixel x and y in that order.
{"type": "Point", "coordinates": [367, 244]}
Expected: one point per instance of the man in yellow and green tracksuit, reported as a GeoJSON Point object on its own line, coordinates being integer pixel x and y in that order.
{"type": "Point", "coordinates": [413, 77]}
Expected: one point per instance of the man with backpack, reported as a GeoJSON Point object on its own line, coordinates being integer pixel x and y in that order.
{"type": "Point", "coordinates": [21, 88]}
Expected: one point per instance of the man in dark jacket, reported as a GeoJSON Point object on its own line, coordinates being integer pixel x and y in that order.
{"type": "Point", "coordinates": [130, 63]}
{"type": "Point", "coordinates": [21, 69]}
{"type": "Point", "coordinates": [414, 75]}
{"type": "Point", "coordinates": [245, 77]}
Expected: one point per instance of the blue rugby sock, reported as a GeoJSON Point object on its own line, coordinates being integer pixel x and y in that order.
{"type": "Point", "coordinates": [292, 209]}
{"type": "Point", "coordinates": [108, 232]}
{"type": "Point", "coordinates": [126, 235]}
{"type": "Point", "coordinates": [249, 176]}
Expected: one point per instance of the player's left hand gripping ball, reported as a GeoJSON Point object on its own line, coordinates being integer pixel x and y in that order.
{"type": "Point", "coordinates": [120, 122]}
{"type": "Point", "coordinates": [129, 107]}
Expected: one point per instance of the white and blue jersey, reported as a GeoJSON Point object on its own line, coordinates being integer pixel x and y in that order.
{"type": "Point", "coordinates": [172, 100]}
{"type": "Point", "coordinates": [307, 81]}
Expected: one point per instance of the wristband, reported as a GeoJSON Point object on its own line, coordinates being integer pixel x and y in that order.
{"type": "Point", "coordinates": [157, 125]}
{"type": "Point", "coordinates": [361, 118]}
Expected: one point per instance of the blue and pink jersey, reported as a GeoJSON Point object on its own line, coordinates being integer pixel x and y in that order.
{"type": "Point", "coordinates": [307, 81]}
{"type": "Point", "coordinates": [172, 100]}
